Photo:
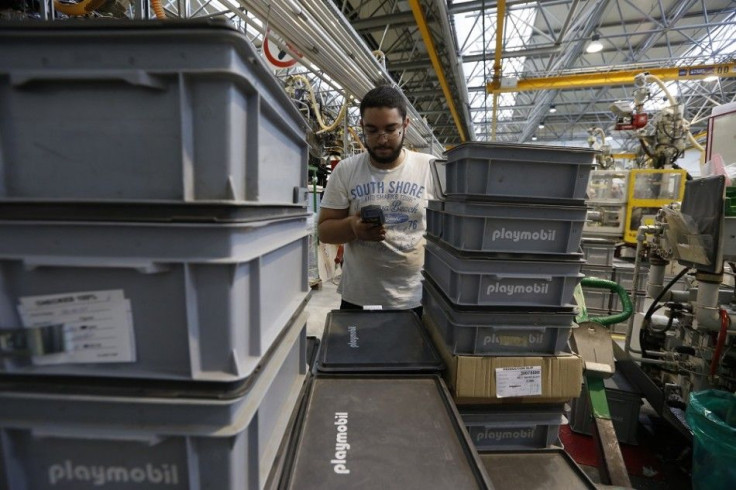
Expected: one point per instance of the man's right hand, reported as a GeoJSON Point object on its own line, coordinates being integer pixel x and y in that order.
{"type": "Point", "coordinates": [369, 232]}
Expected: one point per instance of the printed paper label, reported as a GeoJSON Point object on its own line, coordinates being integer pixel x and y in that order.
{"type": "Point", "coordinates": [97, 326]}
{"type": "Point", "coordinates": [518, 381]}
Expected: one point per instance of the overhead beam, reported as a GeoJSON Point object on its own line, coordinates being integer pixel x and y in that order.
{"type": "Point", "coordinates": [479, 4]}
{"type": "Point", "coordinates": [416, 9]}
{"type": "Point", "coordinates": [602, 79]}
{"type": "Point", "coordinates": [399, 19]}
{"type": "Point", "coordinates": [419, 63]}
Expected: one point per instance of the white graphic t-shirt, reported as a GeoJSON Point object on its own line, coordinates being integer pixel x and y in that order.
{"type": "Point", "coordinates": [386, 273]}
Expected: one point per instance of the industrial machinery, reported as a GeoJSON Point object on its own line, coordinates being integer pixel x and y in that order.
{"type": "Point", "coordinates": [648, 190]}
{"type": "Point", "coordinates": [619, 201]}
{"type": "Point", "coordinates": [685, 340]}
{"type": "Point", "coordinates": [665, 135]}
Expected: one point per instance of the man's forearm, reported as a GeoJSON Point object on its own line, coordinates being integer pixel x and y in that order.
{"type": "Point", "coordinates": [336, 231]}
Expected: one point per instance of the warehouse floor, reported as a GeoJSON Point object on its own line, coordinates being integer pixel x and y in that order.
{"type": "Point", "coordinates": [324, 299]}
{"type": "Point", "coordinates": [650, 467]}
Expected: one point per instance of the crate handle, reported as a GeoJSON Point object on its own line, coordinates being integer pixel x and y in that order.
{"type": "Point", "coordinates": [142, 266]}
{"type": "Point", "coordinates": [439, 191]}
{"type": "Point", "coordinates": [88, 433]}
{"type": "Point", "coordinates": [138, 78]}
{"type": "Point", "coordinates": [521, 276]}
{"type": "Point", "coordinates": [522, 330]}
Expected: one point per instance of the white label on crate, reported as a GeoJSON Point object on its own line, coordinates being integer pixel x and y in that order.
{"type": "Point", "coordinates": [518, 381]}
{"type": "Point", "coordinates": [372, 307]}
{"type": "Point", "coordinates": [97, 326]}
{"type": "Point", "coordinates": [84, 297]}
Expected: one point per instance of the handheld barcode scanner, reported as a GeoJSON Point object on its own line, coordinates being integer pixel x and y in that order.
{"type": "Point", "coordinates": [372, 214]}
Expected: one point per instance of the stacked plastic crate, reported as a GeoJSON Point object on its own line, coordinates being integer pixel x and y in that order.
{"type": "Point", "coordinates": [598, 263]}
{"type": "Point", "coordinates": [153, 257]}
{"type": "Point", "coordinates": [502, 260]}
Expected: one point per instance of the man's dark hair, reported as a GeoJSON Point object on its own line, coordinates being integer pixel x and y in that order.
{"type": "Point", "coordinates": [384, 96]}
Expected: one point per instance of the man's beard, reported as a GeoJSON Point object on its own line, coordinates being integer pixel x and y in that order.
{"type": "Point", "coordinates": [396, 151]}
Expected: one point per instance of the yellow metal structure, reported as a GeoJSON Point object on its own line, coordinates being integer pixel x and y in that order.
{"type": "Point", "coordinates": [421, 21]}
{"type": "Point", "coordinates": [648, 191]}
{"type": "Point", "coordinates": [606, 78]}
{"type": "Point", "coordinates": [501, 15]}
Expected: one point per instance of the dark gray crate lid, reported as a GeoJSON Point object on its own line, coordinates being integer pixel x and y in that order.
{"type": "Point", "coordinates": [535, 470]}
{"type": "Point", "coordinates": [382, 432]}
{"type": "Point", "coordinates": [376, 341]}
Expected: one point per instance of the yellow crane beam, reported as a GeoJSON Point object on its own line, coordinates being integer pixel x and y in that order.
{"type": "Point", "coordinates": [624, 156]}
{"type": "Point", "coordinates": [605, 78]}
{"type": "Point", "coordinates": [501, 14]}
{"type": "Point", "coordinates": [421, 21]}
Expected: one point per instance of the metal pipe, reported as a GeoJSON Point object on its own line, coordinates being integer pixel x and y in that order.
{"type": "Point", "coordinates": [644, 360]}
{"type": "Point", "coordinates": [640, 237]}
{"type": "Point", "coordinates": [330, 42]}
{"type": "Point", "coordinates": [706, 305]}
{"type": "Point", "coordinates": [655, 281]}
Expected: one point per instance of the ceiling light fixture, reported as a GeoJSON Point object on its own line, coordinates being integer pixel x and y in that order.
{"type": "Point", "coordinates": [534, 137]}
{"type": "Point", "coordinates": [541, 124]}
{"type": "Point", "coordinates": [595, 45]}
{"type": "Point", "coordinates": [552, 108]}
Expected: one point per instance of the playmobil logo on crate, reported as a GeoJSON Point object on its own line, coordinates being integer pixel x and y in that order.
{"type": "Point", "coordinates": [339, 464]}
{"type": "Point", "coordinates": [512, 289]}
{"type": "Point", "coordinates": [519, 339]}
{"type": "Point", "coordinates": [517, 236]}
{"type": "Point", "coordinates": [488, 434]}
{"type": "Point", "coordinates": [353, 332]}
{"type": "Point", "coordinates": [98, 475]}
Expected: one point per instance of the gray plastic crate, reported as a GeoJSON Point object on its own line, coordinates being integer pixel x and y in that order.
{"type": "Point", "coordinates": [597, 299]}
{"type": "Point", "coordinates": [598, 253]}
{"type": "Point", "coordinates": [523, 172]}
{"type": "Point", "coordinates": [503, 227]}
{"type": "Point", "coordinates": [177, 112]}
{"type": "Point", "coordinates": [207, 301]}
{"type": "Point", "coordinates": [636, 301]}
{"type": "Point", "coordinates": [598, 271]}
{"type": "Point", "coordinates": [484, 281]}
{"type": "Point", "coordinates": [624, 276]}
{"type": "Point", "coordinates": [489, 332]}
{"type": "Point", "coordinates": [513, 426]}
{"type": "Point", "coordinates": [624, 403]}
{"type": "Point", "coordinates": [51, 440]}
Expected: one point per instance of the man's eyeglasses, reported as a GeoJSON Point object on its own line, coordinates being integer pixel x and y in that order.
{"type": "Point", "coordinates": [374, 135]}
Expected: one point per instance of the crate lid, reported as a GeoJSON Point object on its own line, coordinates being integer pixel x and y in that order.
{"type": "Point", "coordinates": [544, 468]}
{"type": "Point", "coordinates": [147, 211]}
{"type": "Point", "coordinates": [527, 152]}
{"type": "Point", "coordinates": [376, 341]}
{"type": "Point", "coordinates": [393, 432]}
{"type": "Point", "coordinates": [448, 251]}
